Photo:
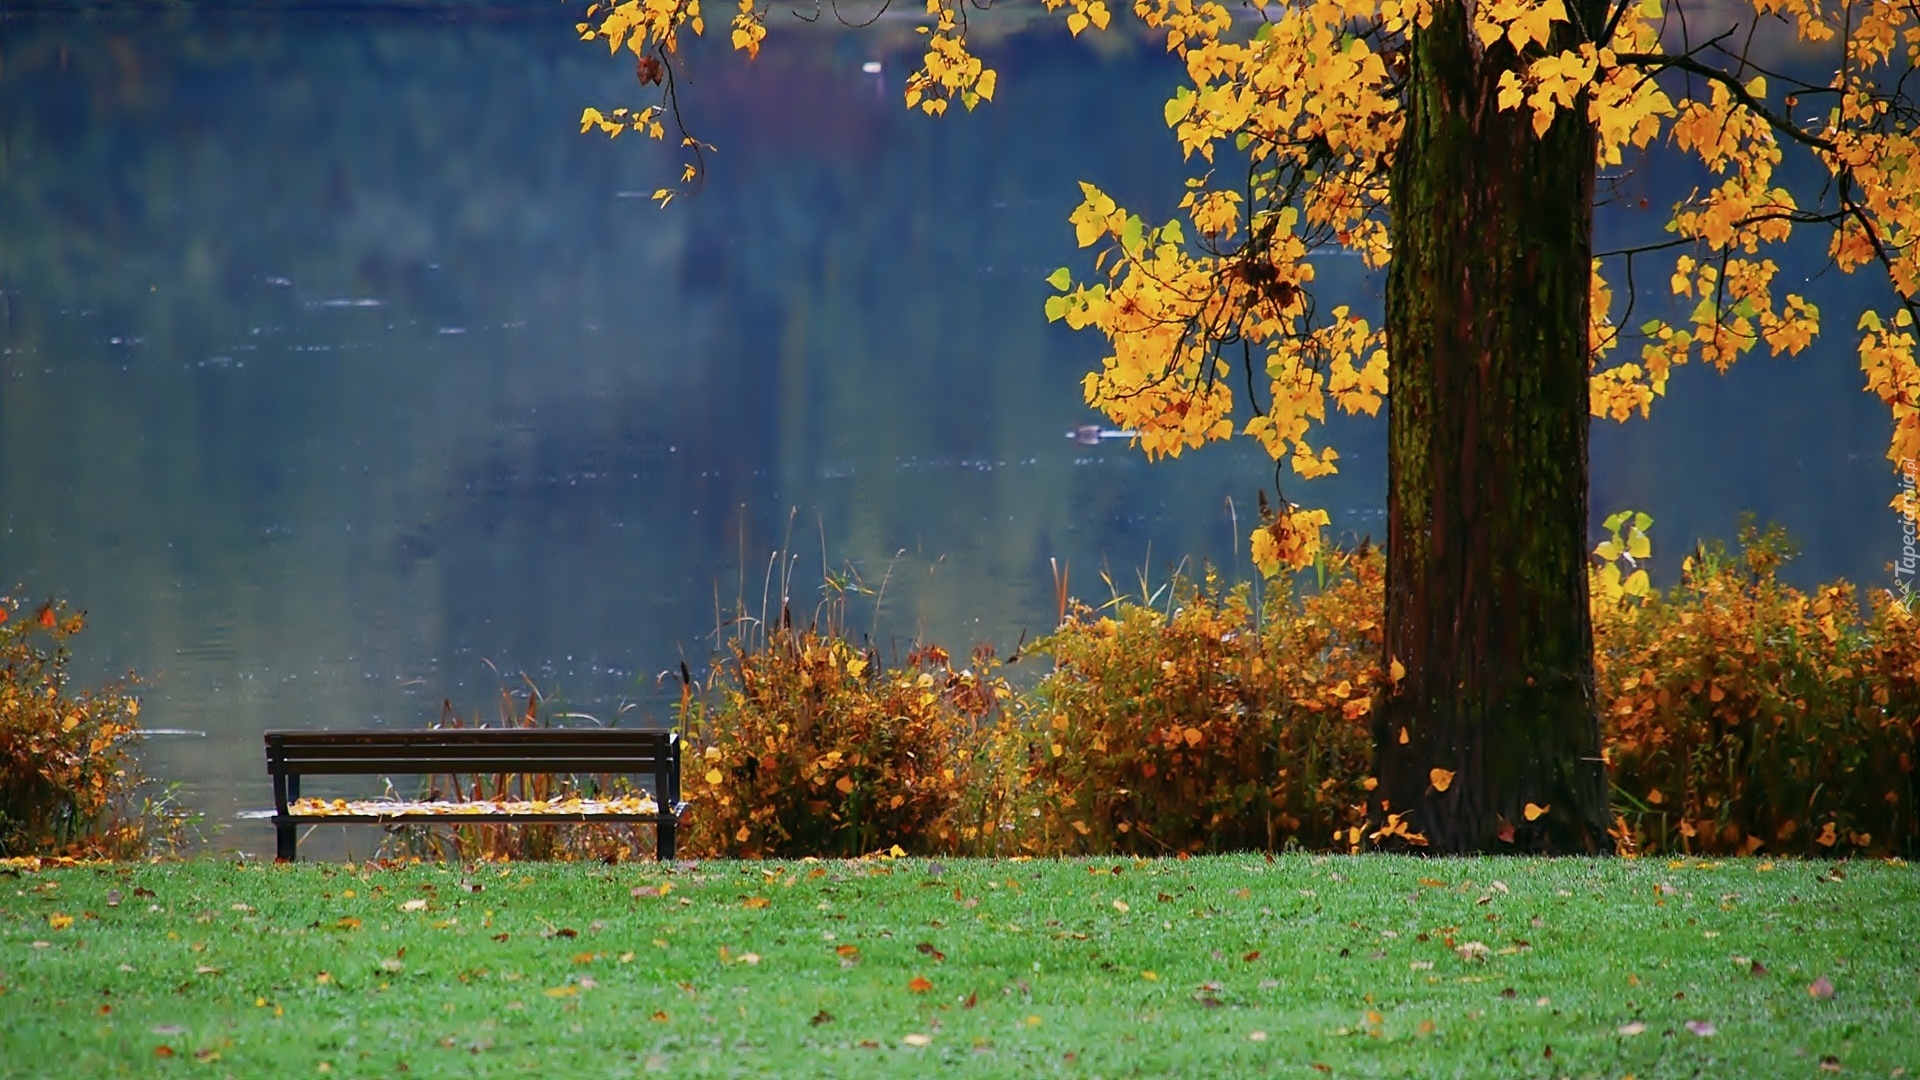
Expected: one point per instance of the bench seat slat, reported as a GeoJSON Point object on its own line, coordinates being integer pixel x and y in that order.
{"type": "Point", "coordinates": [472, 736]}
{"type": "Point", "coordinates": [427, 818]}
{"type": "Point", "coordinates": [474, 765]}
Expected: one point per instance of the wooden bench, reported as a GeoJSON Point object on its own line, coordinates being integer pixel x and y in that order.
{"type": "Point", "coordinates": [476, 752]}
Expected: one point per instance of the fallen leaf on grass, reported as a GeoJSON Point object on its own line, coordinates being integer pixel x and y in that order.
{"type": "Point", "coordinates": [1150, 976]}
{"type": "Point", "coordinates": [169, 1029]}
{"type": "Point", "coordinates": [1252, 956]}
{"type": "Point", "coordinates": [919, 985]}
{"type": "Point", "coordinates": [750, 958]}
{"type": "Point", "coordinates": [205, 970]}
{"type": "Point", "coordinates": [1702, 1028]}
{"type": "Point", "coordinates": [926, 949]}
{"type": "Point", "coordinates": [562, 991]}
{"type": "Point", "coordinates": [58, 921]}
{"type": "Point", "coordinates": [1820, 989]}
{"type": "Point", "coordinates": [1829, 1063]}
{"type": "Point", "coordinates": [414, 905]}
{"type": "Point", "coordinates": [821, 1017]}
{"type": "Point", "coordinates": [347, 923]}
{"type": "Point", "coordinates": [1118, 905]}
{"type": "Point", "coordinates": [1633, 1028]}
{"type": "Point", "coordinates": [163, 1051]}
{"type": "Point", "coordinates": [755, 903]}
{"type": "Point", "coordinates": [917, 1039]}
{"type": "Point", "coordinates": [1256, 1036]}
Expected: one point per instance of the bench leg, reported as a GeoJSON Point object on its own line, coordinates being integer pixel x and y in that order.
{"type": "Point", "coordinates": [285, 842]}
{"type": "Point", "coordinates": [666, 829]}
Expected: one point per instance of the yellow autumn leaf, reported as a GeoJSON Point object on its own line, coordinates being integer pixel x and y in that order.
{"type": "Point", "coordinates": [1535, 812]}
{"type": "Point", "coordinates": [1442, 779]}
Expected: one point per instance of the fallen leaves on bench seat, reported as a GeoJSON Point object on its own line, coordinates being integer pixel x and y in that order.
{"type": "Point", "coordinates": [630, 804]}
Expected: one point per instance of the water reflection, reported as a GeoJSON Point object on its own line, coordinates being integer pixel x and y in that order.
{"type": "Point", "coordinates": [339, 376]}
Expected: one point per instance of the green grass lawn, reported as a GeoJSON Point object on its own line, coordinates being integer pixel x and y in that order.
{"type": "Point", "coordinates": [1232, 966]}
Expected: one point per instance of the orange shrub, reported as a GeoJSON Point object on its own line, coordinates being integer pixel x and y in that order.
{"type": "Point", "coordinates": [1209, 725]}
{"type": "Point", "coordinates": [1741, 715]}
{"type": "Point", "coordinates": [68, 782]}
{"type": "Point", "coordinates": [809, 747]}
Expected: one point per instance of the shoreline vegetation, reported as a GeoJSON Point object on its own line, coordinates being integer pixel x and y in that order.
{"type": "Point", "coordinates": [1741, 716]}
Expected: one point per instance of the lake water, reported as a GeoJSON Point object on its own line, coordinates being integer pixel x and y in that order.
{"type": "Point", "coordinates": [340, 376]}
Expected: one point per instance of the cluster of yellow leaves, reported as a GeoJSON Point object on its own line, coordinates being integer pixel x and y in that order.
{"type": "Point", "coordinates": [1627, 540]}
{"type": "Point", "coordinates": [1886, 355]}
{"type": "Point", "coordinates": [1873, 159]}
{"type": "Point", "coordinates": [947, 68]}
{"type": "Point", "coordinates": [67, 777]}
{"type": "Point", "coordinates": [1520, 22]}
{"type": "Point", "coordinates": [1082, 14]}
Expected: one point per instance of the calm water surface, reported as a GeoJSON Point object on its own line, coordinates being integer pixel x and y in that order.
{"type": "Point", "coordinates": [339, 376]}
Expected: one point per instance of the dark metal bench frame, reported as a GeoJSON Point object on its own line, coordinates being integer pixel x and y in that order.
{"type": "Point", "coordinates": [475, 752]}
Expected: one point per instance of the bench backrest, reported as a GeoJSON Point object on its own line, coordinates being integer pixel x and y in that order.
{"type": "Point", "coordinates": [479, 751]}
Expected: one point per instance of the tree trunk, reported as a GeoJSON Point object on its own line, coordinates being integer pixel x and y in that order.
{"type": "Point", "coordinates": [1487, 322]}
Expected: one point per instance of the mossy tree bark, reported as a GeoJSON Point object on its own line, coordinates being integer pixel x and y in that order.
{"type": "Point", "coordinates": [1487, 324]}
